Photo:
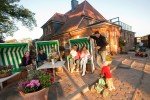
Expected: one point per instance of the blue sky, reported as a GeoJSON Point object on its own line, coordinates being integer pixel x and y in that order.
{"type": "Point", "coordinates": [133, 12]}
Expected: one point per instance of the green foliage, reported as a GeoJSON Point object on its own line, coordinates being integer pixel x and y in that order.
{"type": "Point", "coordinates": [121, 42]}
{"type": "Point", "coordinates": [35, 81]}
{"type": "Point", "coordinates": [44, 80]}
{"type": "Point", "coordinates": [42, 76]}
{"type": "Point", "coordinates": [10, 13]}
{"type": "Point", "coordinates": [4, 70]}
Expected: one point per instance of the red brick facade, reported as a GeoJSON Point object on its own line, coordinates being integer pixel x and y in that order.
{"type": "Point", "coordinates": [81, 23]}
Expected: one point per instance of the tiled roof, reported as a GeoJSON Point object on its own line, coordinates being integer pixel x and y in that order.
{"type": "Point", "coordinates": [73, 18]}
{"type": "Point", "coordinates": [85, 9]}
{"type": "Point", "coordinates": [71, 24]}
{"type": "Point", "coordinates": [58, 17]}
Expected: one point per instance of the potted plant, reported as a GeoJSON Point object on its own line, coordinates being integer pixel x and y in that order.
{"type": "Point", "coordinates": [35, 87]}
{"type": "Point", "coordinates": [122, 44]}
{"type": "Point", "coordinates": [5, 71]}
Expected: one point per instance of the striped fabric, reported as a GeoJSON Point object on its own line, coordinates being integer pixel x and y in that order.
{"type": "Point", "coordinates": [80, 43]}
{"type": "Point", "coordinates": [11, 54]}
{"type": "Point", "coordinates": [47, 46]}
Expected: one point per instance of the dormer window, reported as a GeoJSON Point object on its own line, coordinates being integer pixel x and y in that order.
{"type": "Point", "coordinates": [45, 30]}
{"type": "Point", "coordinates": [49, 29]}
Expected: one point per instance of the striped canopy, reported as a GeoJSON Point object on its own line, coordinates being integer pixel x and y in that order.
{"type": "Point", "coordinates": [11, 54]}
{"type": "Point", "coordinates": [80, 43]}
{"type": "Point", "coordinates": [47, 46]}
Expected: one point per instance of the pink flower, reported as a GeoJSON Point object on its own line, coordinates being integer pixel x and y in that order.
{"type": "Point", "coordinates": [35, 82]}
{"type": "Point", "coordinates": [31, 85]}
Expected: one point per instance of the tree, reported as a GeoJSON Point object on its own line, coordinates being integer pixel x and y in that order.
{"type": "Point", "coordinates": [11, 13]}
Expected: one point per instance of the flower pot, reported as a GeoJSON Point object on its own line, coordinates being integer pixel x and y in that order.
{"type": "Point", "coordinates": [5, 74]}
{"type": "Point", "coordinates": [38, 95]}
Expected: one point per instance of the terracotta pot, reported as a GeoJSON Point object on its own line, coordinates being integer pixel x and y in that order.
{"type": "Point", "coordinates": [39, 95]}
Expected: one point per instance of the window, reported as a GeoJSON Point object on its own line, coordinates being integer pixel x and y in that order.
{"type": "Point", "coordinates": [57, 26]}
{"type": "Point", "coordinates": [45, 30]}
{"type": "Point", "coordinates": [49, 29]}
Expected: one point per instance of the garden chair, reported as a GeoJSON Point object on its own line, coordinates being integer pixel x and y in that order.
{"type": "Point", "coordinates": [11, 55]}
{"type": "Point", "coordinates": [80, 43]}
{"type": "Point", "coordinates": [47, 47]}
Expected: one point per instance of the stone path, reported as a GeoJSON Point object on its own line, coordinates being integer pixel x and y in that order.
{"type": "Point", "coordinates": [131, 82]}
{"type": "Point", "coordinates": [131, 79]}
{"type": "Point", "coordinates": [69, 86]}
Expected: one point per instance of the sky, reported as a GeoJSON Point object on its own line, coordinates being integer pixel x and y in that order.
{"type": "Point", "coordinates": [135, 13]}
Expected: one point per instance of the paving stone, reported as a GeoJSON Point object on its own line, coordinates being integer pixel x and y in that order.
{"type": "Point", "coordinates": [125, 81]}
{"type": "Point", "coordinates": [128, 95]}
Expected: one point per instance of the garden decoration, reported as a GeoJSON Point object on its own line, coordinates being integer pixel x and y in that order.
{"type": "Point", "coordinates": [100, 86]}
{"type": "Point", "coordinates": [36, 86]}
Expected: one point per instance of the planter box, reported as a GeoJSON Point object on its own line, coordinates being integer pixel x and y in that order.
{"type": "Point", "coordinates": [5, 74]}
{"type": "Point", "coordinates": [39, 95]}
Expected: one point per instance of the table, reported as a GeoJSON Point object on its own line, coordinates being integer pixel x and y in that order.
{"type": "Point", "coordinates": [6, 78]}
{"type": "Point", "coordinates": [53, 66]}
{"type": "Point", "coordinates": [50, 65]}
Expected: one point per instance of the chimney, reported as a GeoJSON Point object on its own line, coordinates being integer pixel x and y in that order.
{"type": "Point", "coordinates": [74, 4]}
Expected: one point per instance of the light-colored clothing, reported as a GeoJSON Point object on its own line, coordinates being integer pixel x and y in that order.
{"type": "Point", "coordinates": [73, 53]}
{"type": "Point", "coordinates": [109, 82]}
{"type": "Point", "coordinates": [101, 57]}
{"type": "Point", "coordinates": [85, 54]}
{"type": "Point", "coordinates": [84, 59]}
{"type": "Point", "coordinates": [74, 61]}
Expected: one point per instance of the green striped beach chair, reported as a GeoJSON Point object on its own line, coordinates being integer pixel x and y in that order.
{"type": "Point", "coordinates": [47, 46]}
{"type": "Point", "coordinates": [11, 54]}
{"type": "Point", "coordinates": [80, 43]}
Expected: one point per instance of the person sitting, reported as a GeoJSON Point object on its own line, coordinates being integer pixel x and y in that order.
{"type": "Point", "coordinates": [54, 55]}
{"type": "Point", "coordinates": [26, 63]}
{"type": "Point", "coordinates": [85, 55]}
{"type": "Point", "coordinates": [26, 60]}
{"type": "Point", "coordinates": [75, 57]}
{"type": "Point", "coordinates": [42, 57]}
